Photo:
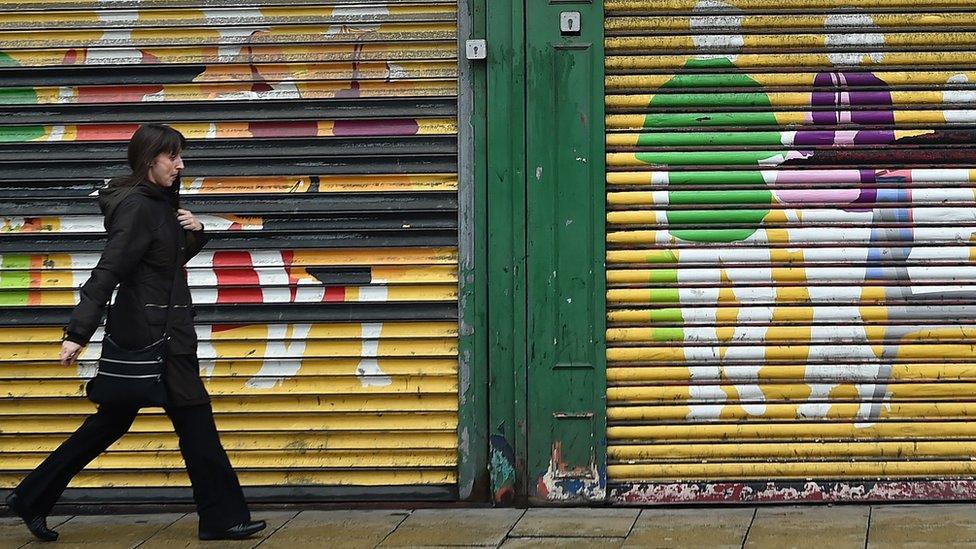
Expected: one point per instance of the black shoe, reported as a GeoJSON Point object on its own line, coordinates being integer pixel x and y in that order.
{"type": "Point", "coordinates": [37, 524]}
{"type": "Point", "coordinates": [240, 531]}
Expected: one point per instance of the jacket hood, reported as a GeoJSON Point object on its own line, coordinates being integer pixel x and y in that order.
{"type": "Point", "coordinates": [120, 188]}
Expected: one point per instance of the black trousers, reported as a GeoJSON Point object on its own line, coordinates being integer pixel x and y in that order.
{"type": "Point", "coordinates": [216, 490]}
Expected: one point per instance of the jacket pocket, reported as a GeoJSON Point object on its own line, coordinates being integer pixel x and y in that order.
{"type": "Point", "coordinates": [156, 315]}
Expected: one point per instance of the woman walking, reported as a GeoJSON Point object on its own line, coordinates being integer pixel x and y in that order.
{"type": "Point", "coordinates": [149, 239]}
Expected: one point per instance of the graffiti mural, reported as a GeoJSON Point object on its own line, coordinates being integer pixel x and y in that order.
{"type": "Point", "coordinates": [790, 222]}
{"type": "Point", "coordinates": [322, 159]}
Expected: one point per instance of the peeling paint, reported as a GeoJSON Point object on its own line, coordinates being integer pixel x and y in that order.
{"type": "Point", "coordinates": [466, 485]}
{"type": "Point", "coordinates": [562, 483]}
{"type": "Point", "coordinates": [502, 469]}
{"type": "Point", "coordinates": [464, 376]}
{"type": "Point", "coordinates": [800, 491]}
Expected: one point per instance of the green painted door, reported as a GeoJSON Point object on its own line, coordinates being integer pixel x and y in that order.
{"type": "Point", "coordinates": [565, 224]}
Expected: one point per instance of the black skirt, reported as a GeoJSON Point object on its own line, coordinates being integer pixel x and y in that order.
{"type": "Point", "coordinates": [183, 384]}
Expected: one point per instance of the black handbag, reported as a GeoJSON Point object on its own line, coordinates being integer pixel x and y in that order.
{"type": "Point", "coordinates": [133, 378]}
{"type": "Point", "coordinates": [127, 378]}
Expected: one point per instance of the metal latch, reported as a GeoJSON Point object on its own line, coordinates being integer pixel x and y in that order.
{"type": "Point", "coordinates": [476, 49]}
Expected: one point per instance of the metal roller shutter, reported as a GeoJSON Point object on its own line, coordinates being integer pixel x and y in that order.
{"type": "Point", "coordinates": [322, 159]}
{"type": "Point", "coordinates": [790, 249]}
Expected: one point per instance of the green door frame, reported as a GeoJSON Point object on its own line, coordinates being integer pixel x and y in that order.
{"type": "Point", "coordinates": [506, 250]}
{"type": "Point", "coordinates": [473, 483]}
{"type": "Point", "coordinates": [546, 253]}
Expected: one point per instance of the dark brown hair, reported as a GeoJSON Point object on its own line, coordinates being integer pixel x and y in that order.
{"type": "Point", "coordinates": [148, 142]}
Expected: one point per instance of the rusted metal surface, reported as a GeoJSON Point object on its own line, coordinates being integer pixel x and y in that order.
{"type": "Point", "coordinates": [790, 259]}
{"type": "Point", "coordinates": [322, 159]}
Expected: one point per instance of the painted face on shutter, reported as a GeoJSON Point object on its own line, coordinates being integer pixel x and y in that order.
{"type": "Point", "coordinates": [165, 168]}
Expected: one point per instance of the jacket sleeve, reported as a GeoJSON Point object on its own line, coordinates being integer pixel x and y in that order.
{"type": "Point", "coordinates": [128, 239]}
{"type": "Point", "coordinates": [195, 241]}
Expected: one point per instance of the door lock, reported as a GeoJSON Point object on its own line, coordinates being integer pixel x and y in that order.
{"type": "Point", "coordinates": [475, 50]}
{"type": "Point", "coordinates": [570, 23]}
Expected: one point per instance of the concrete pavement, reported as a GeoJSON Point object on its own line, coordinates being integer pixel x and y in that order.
{"type": "Point", "coordinates": [815, 527]}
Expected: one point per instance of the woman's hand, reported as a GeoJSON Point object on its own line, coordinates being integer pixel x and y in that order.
{"type": "Point", "coordinates": [187, 220]}
{"type": "Point", "coordinates": [69, 352]}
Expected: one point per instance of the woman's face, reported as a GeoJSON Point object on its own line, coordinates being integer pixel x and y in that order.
{"type": "Point", "coordinates": [165, 168]}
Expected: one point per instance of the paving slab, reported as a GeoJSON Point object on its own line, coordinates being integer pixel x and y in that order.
{"type": "Point", "coordinates": [690, 528]}
{"type": "Point", "coordinates": [13, 533]}
{"type": "Point", "coordinates": [576, 522]}
{"type": "Point", "coordinates": [563, 543]}
{"type": "Point", "coordinates": [109, 531]}
{"type": "Point", "coordinates": [353, 529]}
{"type": "Point", "coordinates": [447, 527]}
{"type": "Point", "coordinates": [839, 527]}
{"type": "Point", "coordinates": [182, 534]}
{"type": "Point", "coordinates": [922, 526]}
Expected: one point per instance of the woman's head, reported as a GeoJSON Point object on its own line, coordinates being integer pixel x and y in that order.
{"type": "Point", "coordinates": [155, 154]}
